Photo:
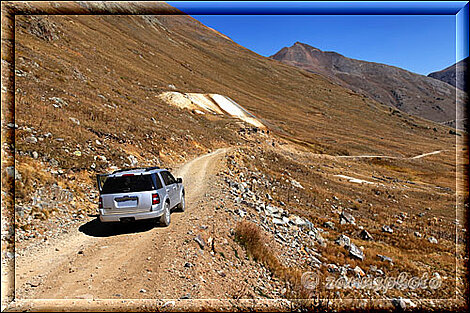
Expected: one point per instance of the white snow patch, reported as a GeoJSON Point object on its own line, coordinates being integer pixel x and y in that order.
{"type": "Point", "coordinates": [211, 103]}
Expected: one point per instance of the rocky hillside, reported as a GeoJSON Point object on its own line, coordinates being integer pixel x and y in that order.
{"type": "Point", "coordinates": [409, 92]}
{"type": "Point", "coordinates": [449, 74]}
{"type": "Point", "coordinates": [89, 99]}
{"type": "Point", "coordinates": [97, 77]}
{"type": "Point", "coordinates": [91, 95]}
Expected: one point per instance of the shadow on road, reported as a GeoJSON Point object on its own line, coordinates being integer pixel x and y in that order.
{"type": "Point", "coordinates": [95, 228]}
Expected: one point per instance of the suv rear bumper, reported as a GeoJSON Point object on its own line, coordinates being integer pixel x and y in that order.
{"type": "Point", "coordinates": [136, 216]}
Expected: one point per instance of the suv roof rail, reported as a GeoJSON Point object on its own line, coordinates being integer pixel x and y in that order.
{"type": "Point", "coordinates": [147, 169]}
{"type": "Point", "coordinates": [126, 169]}
{"type": "Point", "coordinates": [152, 168]}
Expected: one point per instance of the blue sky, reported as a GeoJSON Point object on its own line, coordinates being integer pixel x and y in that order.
{"type": "Point", "coordinates": [419, 36]}
{"type": "Point", "coordinates": [418, 43]}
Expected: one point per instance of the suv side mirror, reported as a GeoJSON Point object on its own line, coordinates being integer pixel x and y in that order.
{"type": "Point", "coordinates": [179, 180]}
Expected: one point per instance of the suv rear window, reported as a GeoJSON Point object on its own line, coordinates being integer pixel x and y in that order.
{"type": "Point", "coordinates": [134, 183]}
{"type": "Point", "coordinates": [157, 181]}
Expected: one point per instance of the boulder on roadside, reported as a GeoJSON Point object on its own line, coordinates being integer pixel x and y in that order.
{"type": "Point", "coordinates": [403, 304]}
{"type": "Point", "coordinates": [298, 221]}
{"type": "Point", "coordinates": [75, 120]}
{"type": "Point", "coordinates": [343, 241]}
{"type": "Point", "coordinates": [270, 210]}
{"type": "Point", "coordinates": [387, 229]}
{"type": "Point", "coordinates": [329, 225]}
{"type": "Point", "coordinates": [385, 258]}
{"type": "Point", "coordinates": [354, 251]}
{"type": "Point", "coordinates": [364, 234]}
{"type": "Point", "coordinates": [359, 272]}
{"type": "Point", "coordinates": [200, 241]}
{"type": "Point", "coordinates": [432, 239]}
{"type": "Point", "coordinates": [31, 139]}
{"type": "Point", "coordinates": [133, 160]}
{"type": "Point", "coordinates": [346, 218]}
{"type": "Point", "coordinates": [279, 221]}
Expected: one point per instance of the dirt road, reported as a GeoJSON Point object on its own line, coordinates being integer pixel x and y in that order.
{"type": "Point", "coordinates": [127, 262]}
{"type": "Point", "coordinates": [427, 154]}
{"type": "Point", "coordinates": [390, 157]}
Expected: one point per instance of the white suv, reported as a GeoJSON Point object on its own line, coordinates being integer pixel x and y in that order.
{"type": "Point", "coordinates": [137, 194]}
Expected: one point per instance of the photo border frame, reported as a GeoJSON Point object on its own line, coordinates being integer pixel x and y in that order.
{"type": "Point", "coordinates": [10, 9]}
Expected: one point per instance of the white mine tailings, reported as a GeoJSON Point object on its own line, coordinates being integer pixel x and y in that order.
{"type": "Point", "coordinates": [355, 180]}
{"type": "Point", "coordinates": [210, 103]}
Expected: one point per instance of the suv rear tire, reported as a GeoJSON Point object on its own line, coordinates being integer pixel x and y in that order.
{"type": "Point", "coordinates": [165, 219]}
{"type": "Point", "coordinates": [182, 205]}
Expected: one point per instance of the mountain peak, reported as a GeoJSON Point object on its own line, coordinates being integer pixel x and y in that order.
{"type": "Point", "coordinates": [387, 84]}
{"type": "Point", "coordinates": [454, 75]}
{"type": "Point", "coordinates": [304, 45]}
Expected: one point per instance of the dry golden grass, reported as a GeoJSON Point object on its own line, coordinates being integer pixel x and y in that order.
{"type": "Point", "coordinates": [372, 206]}
{"type": "Point", "coordinates": [250, 236]}
{"type": "Point", "coordinates": [254, 240]}
{"type": "Point", "coordinates": [32, 176]}
{"type": "Point", "coordinates": [110, 74]}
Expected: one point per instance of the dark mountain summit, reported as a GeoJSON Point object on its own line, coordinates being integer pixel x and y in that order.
{"type": "Point", "coordinates": [412, 93]}
{"type": "Point", "coordinates": [455, 75]}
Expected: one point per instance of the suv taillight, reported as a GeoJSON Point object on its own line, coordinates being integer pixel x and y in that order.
{"type": "Point", "coordinates": [100, 203]}
{"type": "Point", "coordinates": [155, 199]}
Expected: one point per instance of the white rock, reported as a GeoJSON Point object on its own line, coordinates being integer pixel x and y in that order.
{"type": "Point", "coordinates": [432, 239]}
{"type": "Point", "coordinates": [31, 139]}
{"type": "Point", "coordinates": [133, 160]}
{"type": "Point", "coordinates": [74, 120]}
{"type": "Point", "coordinates": [296, 184]}
{"type": "Point", "coordinates": [387, 229]}
{"type": "Point", "coordinates": [402, 304]}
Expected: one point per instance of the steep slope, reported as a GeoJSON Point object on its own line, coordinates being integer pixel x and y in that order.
{"type": "Point", "coordinates": [111, 70]}
{"type": "Point", "coordinates": [89, 99]}
{"type": "Point", "coordinates": [90, 96]}
{"type": "Point", "coordinates": [412, 93]}
{"type": "Point", "coordinates": [449, 74]}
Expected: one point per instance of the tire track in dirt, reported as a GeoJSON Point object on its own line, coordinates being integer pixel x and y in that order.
{"type": "Point", "coordinates": [91, 263]}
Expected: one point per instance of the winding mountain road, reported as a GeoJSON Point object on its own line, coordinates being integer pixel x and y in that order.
{"type": "Point", "coordinates": [390, 157]}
